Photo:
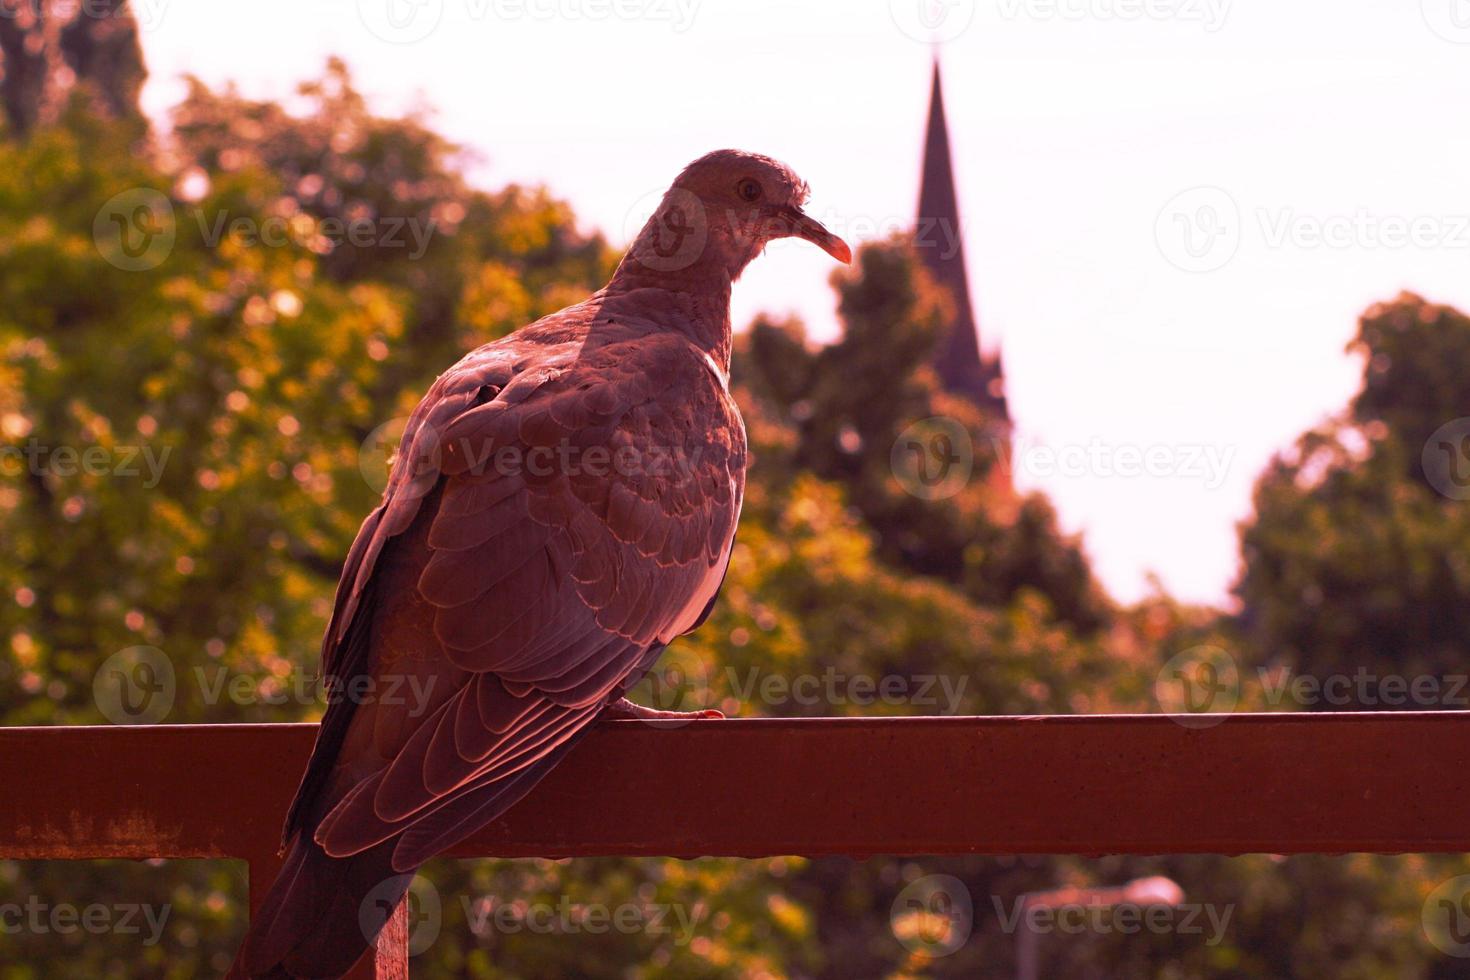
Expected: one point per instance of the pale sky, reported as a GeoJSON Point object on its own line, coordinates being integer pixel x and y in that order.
{"type": "Point", "coordinates": [1174, 210]}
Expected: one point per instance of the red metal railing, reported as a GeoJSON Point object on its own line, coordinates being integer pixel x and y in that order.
{"type": "Point", "coordinates": [1099, 784]}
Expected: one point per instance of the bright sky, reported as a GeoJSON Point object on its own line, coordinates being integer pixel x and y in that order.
{"type": "Point", "coordinates": [1330, 137]}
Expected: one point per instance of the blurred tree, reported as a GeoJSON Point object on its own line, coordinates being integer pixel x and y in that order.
{"type": "Point", "coordinates": [514, 254]}
{"type": "Point", "coordinates": [55, 51]}
{"type": "Point", "coordinates": [1355, 559]}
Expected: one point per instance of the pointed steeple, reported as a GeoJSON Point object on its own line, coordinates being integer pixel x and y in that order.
{"type": "Point", "coordinates": [962, 366]}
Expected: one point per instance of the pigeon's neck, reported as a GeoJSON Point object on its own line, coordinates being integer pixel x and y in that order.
{"type": "Point", "coordinates": [696, 305]}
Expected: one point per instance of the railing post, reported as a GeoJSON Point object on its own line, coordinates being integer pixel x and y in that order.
{"type": "Point", "coordinates": [390, 959]}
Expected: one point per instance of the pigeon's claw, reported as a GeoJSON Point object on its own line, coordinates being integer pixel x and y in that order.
{"type": "Point", "coordinates": [625, 710]}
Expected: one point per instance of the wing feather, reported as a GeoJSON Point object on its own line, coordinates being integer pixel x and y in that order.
{"type": "Point", "coordinates": [524, 598]}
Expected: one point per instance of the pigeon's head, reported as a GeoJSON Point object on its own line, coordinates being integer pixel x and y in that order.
{"type": "Point", "coordinates": [722, 210]}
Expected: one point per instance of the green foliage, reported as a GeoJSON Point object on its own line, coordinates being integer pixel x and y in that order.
{"type": "Point", "coordinates": [1353, 559]}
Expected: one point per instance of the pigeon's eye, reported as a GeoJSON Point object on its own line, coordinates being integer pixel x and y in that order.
{"type": "Point", "coordinates": [748, 190]}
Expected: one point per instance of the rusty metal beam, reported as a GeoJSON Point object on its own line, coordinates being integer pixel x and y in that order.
{"type": "Point", "coordinates": [1135, 784]}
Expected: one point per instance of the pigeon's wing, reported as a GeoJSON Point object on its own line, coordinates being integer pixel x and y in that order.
{"type": "Point", "coordinates": [548, 527]}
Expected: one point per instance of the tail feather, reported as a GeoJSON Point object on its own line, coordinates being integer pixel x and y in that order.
{"type": "Point", "coordinates": [322, 914]}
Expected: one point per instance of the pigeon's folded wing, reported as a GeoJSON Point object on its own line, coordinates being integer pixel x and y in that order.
{"type": "Point", "coordinates": [546, 530]}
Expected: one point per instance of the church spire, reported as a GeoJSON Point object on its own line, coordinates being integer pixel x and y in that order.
{"type": "Point", "coordinates": [962, 366]}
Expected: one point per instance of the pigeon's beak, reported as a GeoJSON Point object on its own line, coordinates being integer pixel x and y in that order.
{"type": "Point", "coordinates": [804, 226]}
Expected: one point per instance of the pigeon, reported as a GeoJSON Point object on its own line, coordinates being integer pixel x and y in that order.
{"type": "Point", "coordinates": [561, 507]}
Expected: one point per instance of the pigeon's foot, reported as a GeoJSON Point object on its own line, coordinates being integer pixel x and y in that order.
{"type": "Point", "coordinates": [623, 709]}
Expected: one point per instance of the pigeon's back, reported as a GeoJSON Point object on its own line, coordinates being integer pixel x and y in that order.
{"type": "Point", "coordinates": [562, 506]}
